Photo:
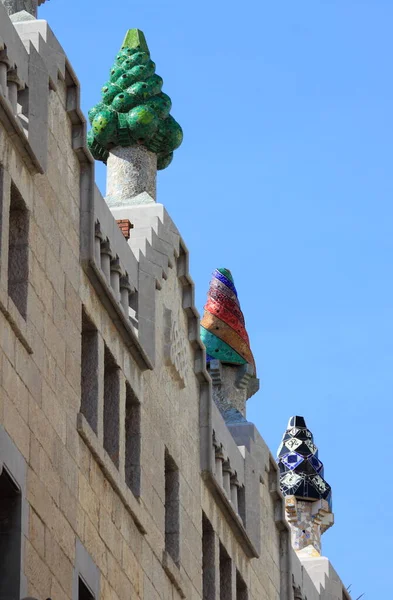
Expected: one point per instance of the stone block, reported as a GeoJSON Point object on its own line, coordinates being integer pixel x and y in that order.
{"type": "Point", "coordinates": [49, 476]}
{"type": "Point", "coordinates": [16, 427]}
{"type": "Point", "coordinates": [15, 388]}
{"type": "Point", "coordinates": [57, 591]}
{"type": "Point", "coordinates": [37, 572]}
{"type": "Point", "coordinates": [55, 413]}
{"type": "Point", "coordinates": [69, 263]}
{"type": "Point", "coordinates": [58, 563]}
{"type": "Point", "coordinates": [69, 507]}
{"type": "Point", "coordinates": [62, 532]}
{"type": "Point", "coordinates": [28, 371]}
{"type": "Point", "coordinates": [73, 303]}
{"type": "Point", "coordinates": [54, 272]}
{"type": "Point", "coordinates": [88, 500]}
{"type": "Point", "coordinates": [132, 568]}
{"type": "Point", "coordinates": [40, 425]}
{"type": "Point", "coordinates": [118, 579]}
{"type": "Point", "coordinates": [66, 466]}
{"type": "Point", "coordinates": [37, 533]}
{"type": "Point", "coordinates": [109, 534]}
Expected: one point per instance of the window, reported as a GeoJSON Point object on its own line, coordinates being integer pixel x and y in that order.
{"type": "Point", "coordinates": [87, 578]}
{"type": "Point", "coordinates": [241, 588]}
{"type": "Point", "coordinates": [89, 372]}
{"type": "Point", "coordinates": [208, 560]}
{"type": "Point", "coordinates": [133, 441]}
{"type": "Point", "coordinates": [84, 592]}
{"type": "Point", "coordinates": [111, 407]}
{"type": "Point", "coordinates": [225, 575]}
{"type": "Point", "coordinates": [241, 503]}
{"type": "Point", "coordinates": [10, 537]}
{"type": "Point", "coordinates": [18, 251]}
{"type": "Point", "coordinates": [172, 511]}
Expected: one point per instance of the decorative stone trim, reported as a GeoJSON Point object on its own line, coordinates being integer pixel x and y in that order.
{"type": "Point", "coordinates": [175, 350]}
{"type": "Point", "coordinates": [109, 275]}
{"type": "Point", "coordinates": [174, 573]}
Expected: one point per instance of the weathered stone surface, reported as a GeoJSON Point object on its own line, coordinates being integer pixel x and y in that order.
{"type": "Point", "coordinates": [80, 514]}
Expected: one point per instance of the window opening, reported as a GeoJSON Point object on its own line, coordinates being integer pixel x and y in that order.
{"type": "Point", "coordinates": [89, 372]}
{"type": "Point", "coordinates": [208, 560]}
{"type": "Point", "coordinates": [84, 592]}
{"type": "Point", "coordinates": [225, 575]}
{"type": "Point", "coordinates": [18, 251]}
{"type": "Point", "coordinates": [10, 537]}
{"type": "Point", "coordinates": [133, 441]}
{"type": "Point", "coordinates": [111, 406]}
{"type": "Point", "coordinates": [241, 588]}
{"type": "Point", "coordinates": [172, 518]}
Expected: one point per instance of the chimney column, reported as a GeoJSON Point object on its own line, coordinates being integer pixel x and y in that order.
{"type": "Point", "coordinates": [307, 494]}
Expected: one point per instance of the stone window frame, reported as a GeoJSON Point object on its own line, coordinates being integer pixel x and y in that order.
{"type": "Point", "coordinates": [17, 321]}
{"type": "Point", "coordinates": [86, 569]}
{"type": "Point", "coordinates": [12, 460]}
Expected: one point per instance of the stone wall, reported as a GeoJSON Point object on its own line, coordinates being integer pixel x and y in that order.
{"type": "Point", "coordinates": [106, 408]}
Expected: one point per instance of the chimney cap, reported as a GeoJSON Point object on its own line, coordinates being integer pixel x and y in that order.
{"type": "Point", "coordinates": [297, 422]}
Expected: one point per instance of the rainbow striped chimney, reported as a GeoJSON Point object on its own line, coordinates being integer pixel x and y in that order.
{"type": "Point", "coordinates": [228, 352]}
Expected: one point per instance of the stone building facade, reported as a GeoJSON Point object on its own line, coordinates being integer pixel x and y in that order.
{"type": "Point", "coordinates": [120, 476]}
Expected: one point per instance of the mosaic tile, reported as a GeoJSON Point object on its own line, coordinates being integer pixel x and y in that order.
{"type": "Point", "coordinates": [223, 330]}
{"type": "Point", "coordinates": [293, 443]}
{"type": "Point", "coordinates": [133, 110]}
{"type": "Point", "coordinates": [292, 460]}
{"type": "Point", "coordinates": [301, 471]}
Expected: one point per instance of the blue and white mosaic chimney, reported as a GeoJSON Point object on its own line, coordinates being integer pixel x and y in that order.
{"type": "Point", "coordinates": [308, 497]}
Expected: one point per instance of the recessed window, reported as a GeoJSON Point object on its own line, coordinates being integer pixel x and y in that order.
{"type": "Point", "coordinates": [241, 503]}
{"type": "Point", "coordinates": [241, 588]}
{"type": "Point", "coordinates": [18, 251]}
{"type": "Point", "coordinates": [89, 372]}
{"type": "Point", "coordinates": [172, 509]}
{"type": "Point", "coordinates": [225, 575]}
{"type": "Point", "coordinates": [10, 537]}
{"type": "Point", "coordinates": [111, 407]}
{"type": "Point", "coordinates": [208, 560]}
{"type": "Point", "coordinates": [133, 441]}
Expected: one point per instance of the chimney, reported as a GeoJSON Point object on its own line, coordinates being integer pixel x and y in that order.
{"type": "Point", "coordinates": [308, 497]}
{"type": "Point", "coordinates": [228, 353]}
{"type": "Point", "coordinates": [132, 130]}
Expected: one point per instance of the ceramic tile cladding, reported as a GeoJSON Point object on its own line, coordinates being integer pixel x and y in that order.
{"type": "Point", "coordinates": [223, 328]}
{"type": "Point", "coordinates": [301, 471]}
{"type": "Point", "coordinates": [133, 109]}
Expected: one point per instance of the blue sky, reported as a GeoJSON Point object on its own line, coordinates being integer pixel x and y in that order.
{"type": "Point", "coordinates": [285, 177]}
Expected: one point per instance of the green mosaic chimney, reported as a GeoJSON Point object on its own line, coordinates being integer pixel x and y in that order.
{"type": "Point", "coordinates": [133, 109]}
